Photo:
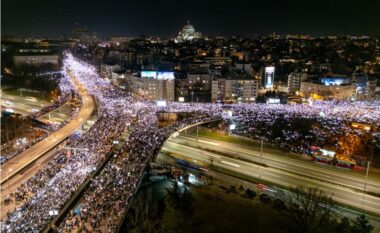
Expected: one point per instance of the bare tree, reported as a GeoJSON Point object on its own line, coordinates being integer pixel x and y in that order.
{"type": "Point", "coordinates": [309, 209]}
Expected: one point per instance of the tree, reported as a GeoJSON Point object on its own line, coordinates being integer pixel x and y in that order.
{"type": "Point", "coordinates": [362, 225]}
{"type": "Point", "coordinates": [344, 226]}
{"type": "Point", "coordinates": [309, 209]}
{"type": "Point", "coordinates": [180, 198]}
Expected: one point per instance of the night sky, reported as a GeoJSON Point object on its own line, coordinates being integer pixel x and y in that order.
{"type": "Point", "coordinates": [54, 18]}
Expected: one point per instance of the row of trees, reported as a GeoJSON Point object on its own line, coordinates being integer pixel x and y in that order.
{"type": "Point", "coordinates": [310, 210]}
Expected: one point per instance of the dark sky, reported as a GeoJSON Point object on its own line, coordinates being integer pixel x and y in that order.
{"type": "Point", "coordinates": [165, 17]}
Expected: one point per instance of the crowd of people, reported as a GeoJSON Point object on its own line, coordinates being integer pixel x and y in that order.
{"type": "Point", "coordinates": [299, 127]}
{"type": "Point", "coordinates": [110, 191]}
{"type": "Point", "coordinates": [67, 92]}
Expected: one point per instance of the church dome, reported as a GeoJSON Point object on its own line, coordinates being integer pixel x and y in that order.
{"type": "Point", "coordinates": [188, 27]}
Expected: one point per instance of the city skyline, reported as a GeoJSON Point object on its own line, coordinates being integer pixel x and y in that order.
{"type": "Point", "coordinates": [133, 18]}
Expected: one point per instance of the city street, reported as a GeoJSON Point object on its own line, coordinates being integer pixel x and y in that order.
{"type": "Point", "coordinates": [344, 187]}
{"type": "Point", "coordinates": [20, 104]}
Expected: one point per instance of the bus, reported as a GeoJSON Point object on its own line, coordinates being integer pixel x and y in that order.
{"type": "Point", "coordinates": [346, 163]}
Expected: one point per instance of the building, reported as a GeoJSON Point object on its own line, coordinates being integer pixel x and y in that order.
{"type": "Point", "coordinates": [370, 90]}
{"type": "Point", "coordinates": [268, 79]}
{"type": "Point", "coordinates": [294, 81]}
{"type": "Point", "coordinates": [118, 40]}
{"type": "Point", "coordinates": [237, 89]}
{"type": "Point", "coordinates": [322, 91]}
{"type": "Point", "coordinates": [201, 82]}
{"type": "Point", "coordinates": [187, 33]}
{"type": "Point", "coordinates": [84, 36]}
{"type": "Point", "coordinates": [106, 70]}
{"type": "Point", "coordinates": [152, 85]}
{"type": "Point", "coordinates": [364, 88]}
{"type": "Point", "coordinates": [36, 59]}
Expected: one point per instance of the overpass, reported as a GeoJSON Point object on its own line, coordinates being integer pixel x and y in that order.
{"type": "Point", "coordinates": [26, 158]}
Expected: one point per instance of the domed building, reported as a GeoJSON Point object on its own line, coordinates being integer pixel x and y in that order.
{"type": "Point", "coordinates": [187, 33]}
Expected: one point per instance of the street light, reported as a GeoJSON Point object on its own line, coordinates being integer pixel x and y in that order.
{"type": "Point", "coordinates": [261, 149]}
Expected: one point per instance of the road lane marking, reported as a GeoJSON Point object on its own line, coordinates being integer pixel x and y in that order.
{"type": "Point", "coordinates": [319, 174]}
{"type": "Point", "coordinates": [370, 202]}
{"type": "Point", "coordinates": [229, 163]}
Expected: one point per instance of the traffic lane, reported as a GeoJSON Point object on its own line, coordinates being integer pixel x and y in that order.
{"type": "Point", "coordinates": [247, 148]}
{"type": "Point", "coordinates": [21, 108]}
{"type": "Point", "coordinates": [233, 180]}
{"type": "Point", "coordinates": [342, 195]}
{"type": "Point", "coordinates": [338, 178]}
{"type": "Point", "coordinates": [287, 164]}
{"type": "Point", "coordinates": [23, 112]}
{"type": "Point", "coordinates": [23, 100]}
{"type": "Point", "coordinates": [369, 203]}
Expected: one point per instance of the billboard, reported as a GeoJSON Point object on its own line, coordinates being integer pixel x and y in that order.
{"type": "Point", "coordinates": [269, 77]}
{"type": "Point", "coordinates": [160, 75]}
{"type": "Point", "coordinates": [149, 74]}
{"type": "Point", "coordinates": [165, 75]}
{"type": "Point", "coordinates": [273, 101]}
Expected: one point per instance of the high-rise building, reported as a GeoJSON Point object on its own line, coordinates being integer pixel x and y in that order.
{"type": "Point", "coordinates": [244, 90]}
{"type": "Point", "coordinates": [268, 77]}
{"type": "Point", "coordinates": [294, 81]}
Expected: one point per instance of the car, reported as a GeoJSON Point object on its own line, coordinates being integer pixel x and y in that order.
{"type": "Point", "coordinates": [32, 99]}
{"type": "Point", "coordinates": [264, 198]}
{"type": "Point", "coordinates": [2, 160]}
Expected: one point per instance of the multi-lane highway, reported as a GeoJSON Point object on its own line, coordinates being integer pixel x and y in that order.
{"type": "Point", "coordinates": [18, 163]}
{"type": "Point", "coordinates": [346, 187]}
{"type": "Point", "coordinates": [26, 106]}
{"type": "Point", "coordinates": [21, 105]}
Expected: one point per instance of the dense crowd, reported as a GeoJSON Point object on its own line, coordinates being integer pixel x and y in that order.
{"type": "Point", "coordinates": [108, 194]}
{"type": "Point", "coordinates": [298, 127]}
{"type": "Point", "coordinates": [67, 92]}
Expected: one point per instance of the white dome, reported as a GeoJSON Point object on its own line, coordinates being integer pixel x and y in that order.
{"type": "Point", "coordinates": [188, 27]}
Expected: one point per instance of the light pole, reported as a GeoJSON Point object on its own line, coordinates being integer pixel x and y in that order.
{"type": "Point", "coordinates": [261, 149]}
{"type": "Point", "coordinates": [197, 133]}
{"type": "Point", "coordinates": [366, 176]}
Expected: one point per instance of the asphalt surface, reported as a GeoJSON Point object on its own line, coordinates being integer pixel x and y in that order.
{"type": "Point", "coordinates": [20, 104]}
{"type": "Point", "coordinates": [345, 187]}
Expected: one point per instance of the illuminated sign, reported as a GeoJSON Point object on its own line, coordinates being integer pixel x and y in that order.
{"type": "Point", "coordinates": [161, 103]}
{"type": "Point", "coordinates": [160, 75]}
{"type": "Point", "coordinates": [165, 75]}
{"type": "Point", "coordinates": [273, 101]}
{"type": "Point", "coordinates": [181, 99]}
{"type": "Point", "coordinates": [149, 74]}
{"type": "Point", "coordinates": [269, 77]}
{"type": "Point", "coordinates": [335, 81]}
